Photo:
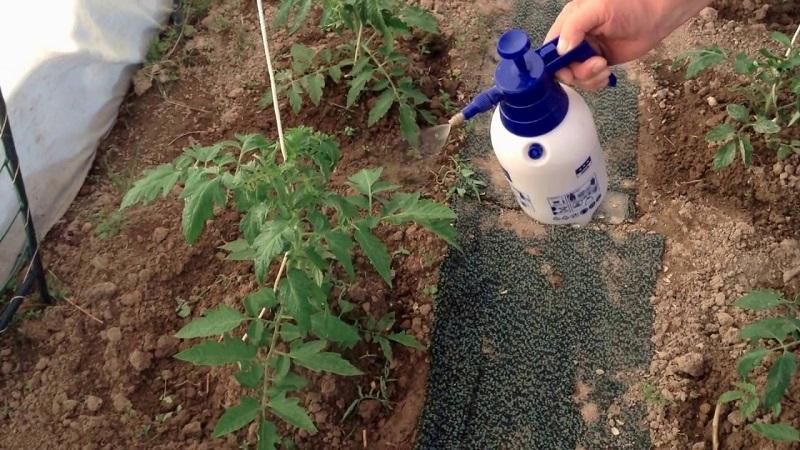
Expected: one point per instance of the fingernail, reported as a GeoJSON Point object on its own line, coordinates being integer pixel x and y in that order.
{"type": "Point", "coordinates": [563, 46]}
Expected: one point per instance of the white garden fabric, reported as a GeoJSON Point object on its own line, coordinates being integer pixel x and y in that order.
{"type": "Point", "coordinates": [65, 66]}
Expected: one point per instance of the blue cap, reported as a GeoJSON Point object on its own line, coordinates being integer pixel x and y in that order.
{"type": "Point", "coordinates": [532, 102]}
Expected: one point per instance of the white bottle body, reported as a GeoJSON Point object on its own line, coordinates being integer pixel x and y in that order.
{"type": "Point", "coordinates": [569, 181]}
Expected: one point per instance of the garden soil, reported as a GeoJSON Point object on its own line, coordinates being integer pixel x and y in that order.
{"type": "Point", "coordinates": [97, 372]}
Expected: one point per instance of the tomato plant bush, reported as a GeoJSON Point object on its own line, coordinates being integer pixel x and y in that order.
{"type": "Point", "coordinates": [773, 342]}
{"type": "Point", "coordinates": [370, 63]}
{"type": "Point", "coordinates": [771, 108]}
{"type": "Point", "coordinates": [292, 223]}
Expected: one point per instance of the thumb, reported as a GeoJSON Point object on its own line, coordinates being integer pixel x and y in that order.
{"type": "Point", "coordinates": [581, 19]}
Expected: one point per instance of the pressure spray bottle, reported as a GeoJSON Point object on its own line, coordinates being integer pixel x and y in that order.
{"type": "Point", "coordinates": [543, 133]}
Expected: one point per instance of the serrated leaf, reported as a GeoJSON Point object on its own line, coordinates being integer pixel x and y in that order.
{"type": "Point", "coordinates": [411, 92]}
{"type": "Point", "coordinates": [417, 17]}
{"type": "Point", "coordinates": [765, 126]}
{"type": "Point", "coordinates": [738, 112]}
{"type": "Point", "coordinates": [729, 396]}
{"type": "Point", "coordinates": [743, 65]}
{"type": "Point", "coordinates": [777, 36]}
{"type": "Point", "coordinates": [725, 155]}
{"type": "Point", "coordinates": [269, 244]}
{"type": "Point", "coordinates": [406, 340]}
{"type": "Point", "coordinates": [268, 438]}
{"type": "Point", "coordinates": [328, 362]}
{"type": "Point", "coordinates": [759, 300]}
{"type": "Point", "coordinates": [250, 374]}
{"type": "Point", "coordinates": [363, 181]}
{"type": "Point", "coordinates": [749, 360]}
{"type": "Point", "coordinates": [785, 151]}
{"type": "Point", "coordinates": [386, 347]}
{"type": "Point", "coordinates": [327, 326]}
{"type": "Point", "coordinates": [257, 301]}
{"type": "Point", "coordinates": [421, 211]}
{"type": "Point", "coordinates": [282, 16]}
{"type": "Point", "coordinates": [357, 86]}
{"type": "Point", "coordinates": [199, 207]}
{"type": "Point", "coordinates": [778, 379]}
{"type": "Point", "coordinates": [288, 409]}
{"type": "Point", "coordinates": [213, 353]}
{"type": "Point", "coordinates": [290, 332]}
{"type": "Point", "coordinates": [746, 150]}
{"type": "Point", "coordinates": [307, 350]}
{"type": "Point", "coordinates": [335, 72]}
{"type": "Point", "coordinates": [773, 328]}
{"type": "Point", "coordinates": [215, 323]}
{"type": "Point", "coordinates": [256, 332]}
{"type": "Point", "coordinates": [777, 431]}
{"type": "Point", "coordinates": [303, 293]}
{"type": "Point", "coordinates": [376, 252]}
{"type": "Point", "coordinates": [314, 85]}
{"type": "Point", "coordinates": [408, 125]}
{"type": "Point", "coordinates": [282, 366]}
{"type": "Point", "coordinates": [721, 133]}
{"type": "Point", "coordinates": [157, 181]}
{"type": "Point", "coordinates": [340, 245]}
{"type": "Point", "coordinates": [302, 58]}
{"type": "Point", "coordinates": [303, 7]}
{"type": "Point", "coordinates": [700, 60]}
{"type": "Point", "coordinates": [295, 100]}
{"type": "Point", "coordinates": [237, 417]}
{"type": "Point", "coordinates": [382, 106]}
{"type": "Point", "coordinates": [749, 406]}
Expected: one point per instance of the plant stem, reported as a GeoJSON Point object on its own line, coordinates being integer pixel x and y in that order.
{"type": "Point", "coordinates": [276, 328]}
{"type": "Point", "coordinates": [383, 70]}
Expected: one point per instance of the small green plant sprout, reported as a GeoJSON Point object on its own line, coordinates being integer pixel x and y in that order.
{"type": "Point", "coordinates": [770, 89]}
{"type": "Point", "coordinates": [466, 181]}
{"type": "Point", "coordinates": [378, 392]}
{"type": "Point", "coordinates": [300, 237]}
{"type": "Point", "coordinates": [350, 132]}
{"type": "Point", "coordinates": [773, 341]}
{"type": "Point", "coordinates": [370, 63]}
{"type": "Point", "coordinates": [108, 224]}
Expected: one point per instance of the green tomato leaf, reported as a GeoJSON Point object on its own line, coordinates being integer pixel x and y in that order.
{"type": "Point", "coordinates": [295, 100]}
{"type": "Point", "coordinates": [288, 409]}
{"type": "Point", "coordinates": [213, 353]}
{"type": "Point", "coordinates": [749, 360]}
{"type": "Point", "coordinates": [408, 125]}
{"type": "Point", "coordinates": [268, 438]}
{"type": "Point", "coordinates": [328, 362]}
{"type": "Point", "coordinates": [746, 150]}
{"type": "Point", "coordinates": [759, 300]}
{"type": "Point", "coordinates": [777, 432]}
{"type": "Point", "coordinates": [785, 151]}
{"type": "Point", "coordinates": [249, 375]}
{"type": "Point", "coordinates": [406, 340]}
{"type": "Point", "coordinates": [765, 126]}
{"type": "Point", "coordinates": [302, 58]}
{"type": "Point", "coordinates": [700, 60]}
{"type": "Point", "coordinates": [257, 301]}
{"type": "Point", "coordinates": [357, 86]}
{"type": "Point", "coordinates": [738, 112]}
{"type": "Point", "coordinates": [307, 350]}
{"type": "Point", "coordinates": [157, 181]}
{"type": "Point", "coordinates": [729, 396]}
{"type": "Point", "coordinates": [329, 327]}
{"type": "Point", "coordinates": [778, 379]}
{"type": "Point", "coordinates": [382, 106]}
{"type": "Point", "coordinates": [749, 406]}
{"type": "Point", "coordinates": [409, 208]}
{"type": "Point", "coordinates": [722, 132]}
{"type": "Point", "coordinates": [743, 65]}
{"type": "Point", "coordinates": [363, 181]}
{"type": "Point", "coordinates": [416, 17]}
{"type": "Point", "coordinates": [725, 155]}
{"type": "Point", "coordinates": [237, 417]}
{"type": "Point", "coordinates": [376, 252]}
{"type": "Point", "coordinates": [340, 245]}
{"type": "Point", "coordinates": [215, 323]}
{"type": "Point", "coordinates": [314, 85]}
{"type": "Point", "coordinates": [302, 296]}
{"type": "Point", "coordinates": [335, 72]}
{"type": "Point", "coordinates": [300, 18]}
{"type": "Point", "coordinates": [773, 328]}
{"type": "Point", "coordinates": [199, 207]}
{"type": "Point", "coordinates": [777, 36]}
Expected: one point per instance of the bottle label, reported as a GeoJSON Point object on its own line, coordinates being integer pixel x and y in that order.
{"type": "Point", "coordinates": [576, 203]}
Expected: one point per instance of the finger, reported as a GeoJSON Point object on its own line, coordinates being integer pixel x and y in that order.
{"type": "Point", "coordinates": [589, 68]}
{"type": "Point", "coordinates": [582, 18]}
{"type": "Point", "coordinates": [597, 82]}
{"type": "Point", "coordinates": [565, 76]}
{"type": "Point", "coordinates": [555, 29]}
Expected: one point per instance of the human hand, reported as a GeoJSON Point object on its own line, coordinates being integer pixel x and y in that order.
{"type": "Point", "coordinates": [620, 30]}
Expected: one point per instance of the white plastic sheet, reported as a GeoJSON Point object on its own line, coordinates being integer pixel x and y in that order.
{"type": "Point", "coordinates": [65, 66]}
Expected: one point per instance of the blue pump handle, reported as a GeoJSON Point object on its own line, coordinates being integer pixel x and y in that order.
{"type": "Point", "coordinates": [555, 62]}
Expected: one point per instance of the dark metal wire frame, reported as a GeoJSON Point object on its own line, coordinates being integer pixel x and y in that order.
{"type": "Point", "coordinates": [34, 273]}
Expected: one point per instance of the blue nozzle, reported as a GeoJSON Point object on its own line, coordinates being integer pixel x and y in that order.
{"type": "Point", "coordinates": [485, 101]}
